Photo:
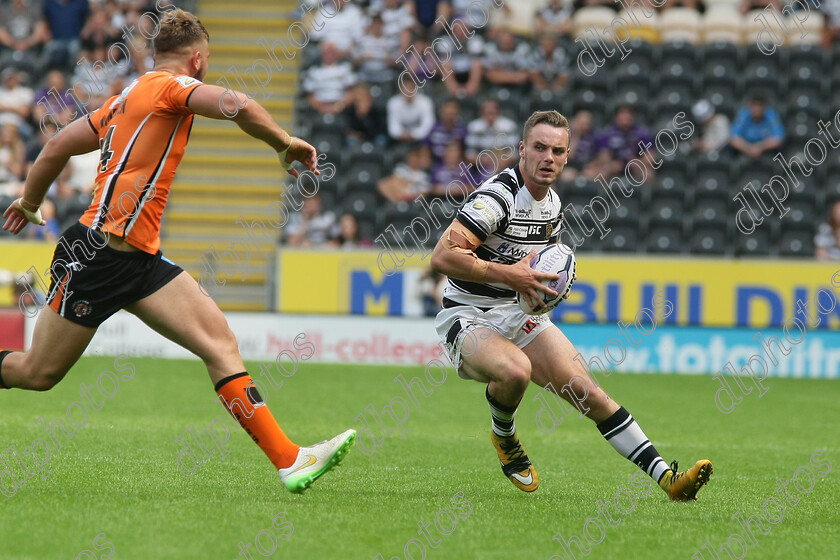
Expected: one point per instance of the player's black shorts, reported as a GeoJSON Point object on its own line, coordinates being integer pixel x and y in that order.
{"type": "Point", "coordinates": [90, 281]}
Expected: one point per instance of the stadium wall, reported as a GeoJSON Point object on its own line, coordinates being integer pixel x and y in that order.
{"type": "Point", "coordinates": [704, 292]}
{"type": "Point", "coordinates": [412, 341]}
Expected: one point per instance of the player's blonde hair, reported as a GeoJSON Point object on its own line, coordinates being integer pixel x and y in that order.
{"type": "Point", "coordinates": [178, 31]}
{"type": "Point", "coordinates": [551, 118]}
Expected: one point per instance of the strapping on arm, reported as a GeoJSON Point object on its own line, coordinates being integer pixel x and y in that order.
{"type": "Point", "coordinates": [478, 271]}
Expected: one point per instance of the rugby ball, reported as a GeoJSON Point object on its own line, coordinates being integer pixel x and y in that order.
{"type": "Point", "coordinates": [554, 259]}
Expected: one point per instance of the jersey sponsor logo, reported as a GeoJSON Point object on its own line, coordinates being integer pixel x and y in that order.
{"type": "Point", "coordinates": [186, 81]}
{"type": "Point", "coordinates": [526, 213]}
{"type": "Point", "coordinates": [508, 249]}
{"type": "Point", "coordinates": [489, 210]}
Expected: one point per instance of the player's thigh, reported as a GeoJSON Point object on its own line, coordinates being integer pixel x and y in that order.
{"type": "Point", "coordinates": [183, 314]}
{"type": "Point", "coordinates": [57, 344]}
{"type": "Point", "coordinates": [555, 360]}
{"type": "Point", "coordinates": [488, 356]}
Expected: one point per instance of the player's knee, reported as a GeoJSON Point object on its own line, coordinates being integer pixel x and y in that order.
{"type": "Point", "coordinates": [221, 348]}
{"type": "Point", "coordinates": [518, 371]}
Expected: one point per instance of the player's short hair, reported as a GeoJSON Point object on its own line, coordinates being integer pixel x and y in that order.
{"type": "Point", "coordinates": [551, 118]}
{"type": "Point", "coordinates": [182, 30]}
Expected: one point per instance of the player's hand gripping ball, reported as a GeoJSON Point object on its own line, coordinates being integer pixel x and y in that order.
{"type": "Point", "coordinates": [554, 259]}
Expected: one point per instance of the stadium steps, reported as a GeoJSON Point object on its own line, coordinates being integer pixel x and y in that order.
{"type": "Point", "coordinates": [226, 174]}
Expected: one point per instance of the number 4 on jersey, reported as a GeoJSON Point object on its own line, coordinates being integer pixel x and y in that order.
{"type": "Point", "coordinates": [105, 149]}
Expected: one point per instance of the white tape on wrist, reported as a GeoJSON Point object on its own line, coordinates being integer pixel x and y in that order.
{"type": "Point", "coordinates": [282, 156]}
{"type": "Point", "coordinates": [34, 217]}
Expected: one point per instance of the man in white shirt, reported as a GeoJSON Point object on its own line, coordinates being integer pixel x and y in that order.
{"type": "Point", "coordinates": [410, 117]}
{"type": "Point", "coordinates": [15, 100]}
{"type": "Point", "coordinates": [482, 132]}
{"type": "Point", "coordinates": [328, 85]}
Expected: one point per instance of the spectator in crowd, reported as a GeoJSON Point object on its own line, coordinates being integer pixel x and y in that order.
{"type": "Point", "coordinates": [15, 100]}
{"type": "Point", "coordinates": [757, 129]}
{"type": "Point", "coordinates": [342, 29]}
{"type": "Point", "coordinates": [374, 55]}
{"type": "Point", "coordinates": [714, 127]}
{"type": "Point", "coordinates": [827, 240]}
{"type": "Point", "coordinates": [420, 64]}
{"type": "Point", "coordinates": [94, 77]}
{"type": "Point", "coordinates": [490, 131]}
{"type": "Point", "coordinates": [44, 133]}
{"type": "Point", "coordinates": [555, 18]}
{"type": "Point", "coordinates": [98, 31]}
{"type": "Point", "coordinates": [582, 149]}
{"type": "Point", "coordinates": [346, 235]}
{"type": "Point", "coordinates": [448, 169]}
{"type": "Point", "coordinates": [463, 59]}
{"type": "Point", "coordinates": [142, 57]}
{"type": "Point", "coordinates": [53, 99]}
{"type": "Point", "coordinates": [490, 162]}
{"type": "Point", "coordinates": [23, 31]}
{"type": "Point", "coordinates": [446, 130]}
{"type": "Point", "coordinates": [409, 179]}
{"type": "Point", "coordinates": [398, 22]}
{"type": "Point", "coordinates": [747, 5]}
{"type": "Point", "coordinates": [328, 85]}
{"type": "Point", "coordinates": [430, 290]}
{"type": "Point", "coordinates": [365, 121]}
{"type": "Point", "coordinates": [831, 9]}
{"type": "Point", "coordinates": [618, 143]}
{"type": "Point", "coordinates": [12, 159]}
{"type": "Point", "coordinates": [312, 226]}
{"type": "Point", "coordinates": [410, 117]}
{"type": "Point", "coordinates": [507, 63]}
{"type": "Point", "coordinates": [549, 65]}
{"type": "Point", "coordinates": [578, 4]}
{"type": "Point", "coordinates": [427, 12]}
{"type": "Point", "coordinates": [474, 12]}
{"type": "Point", "coordinates": [65, 19]}
{"type": "Point", "coordinates": [696, 5]}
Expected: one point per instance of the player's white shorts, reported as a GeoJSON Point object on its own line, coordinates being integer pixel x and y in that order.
{"type": "Point", "coordinates": [455, 324]}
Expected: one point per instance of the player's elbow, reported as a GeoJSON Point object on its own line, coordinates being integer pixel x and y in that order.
{"type": "Point", "coordinates": [438, 260]}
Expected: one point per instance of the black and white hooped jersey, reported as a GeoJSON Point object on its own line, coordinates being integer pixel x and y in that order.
{"type": "Point", "coordinates": [510, 223]}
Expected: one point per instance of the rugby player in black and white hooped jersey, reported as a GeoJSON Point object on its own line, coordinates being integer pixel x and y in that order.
{"type": "Point", "coordinates": [485, 253]}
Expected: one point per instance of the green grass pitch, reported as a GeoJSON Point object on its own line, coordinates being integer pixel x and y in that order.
{"type": "Point", "coordinates": [118, 475]}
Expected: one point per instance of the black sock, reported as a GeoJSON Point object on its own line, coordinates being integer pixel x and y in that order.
{"type": "Point", "coordinates": [502, 415]}
{"type": "Point", "coordinates": [625, 435]}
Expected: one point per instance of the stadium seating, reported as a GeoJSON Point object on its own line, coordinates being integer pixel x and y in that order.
{"type": "Point", "coordinates": [687, 207]}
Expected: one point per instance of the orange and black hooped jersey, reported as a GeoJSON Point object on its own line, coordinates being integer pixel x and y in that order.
{"type": "Point", "coordinates": [143, 133]}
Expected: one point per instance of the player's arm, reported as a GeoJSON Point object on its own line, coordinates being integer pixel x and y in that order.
{"type": "Point", "coordinates": [77, 138]}
{"type": "Point", "coordinates": [215, 102]}
{"type": "Point", "coordinates": [454, 256]}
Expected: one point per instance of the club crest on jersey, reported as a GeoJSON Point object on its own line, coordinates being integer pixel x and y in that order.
{"type": "Point", "coordinates": [548, 229]}
{"type": "Point", "coordinates": [82, 308]}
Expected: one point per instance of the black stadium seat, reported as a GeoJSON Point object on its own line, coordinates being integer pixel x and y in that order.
{"type": "Point", "coordinates": [797, 243]}
{"type": "Point", "coordinates": [710, 213]}
{"type": "Point", "coordinates": [666, 209]}
{"type": "Point", "coordinates": [664, 240]}
{"type": "Point", "coordinates": [709, 241]}
{"type": "Point", "coordinates": [622, 239]}
{"type": "Point", "coordinates": [755, 244]}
